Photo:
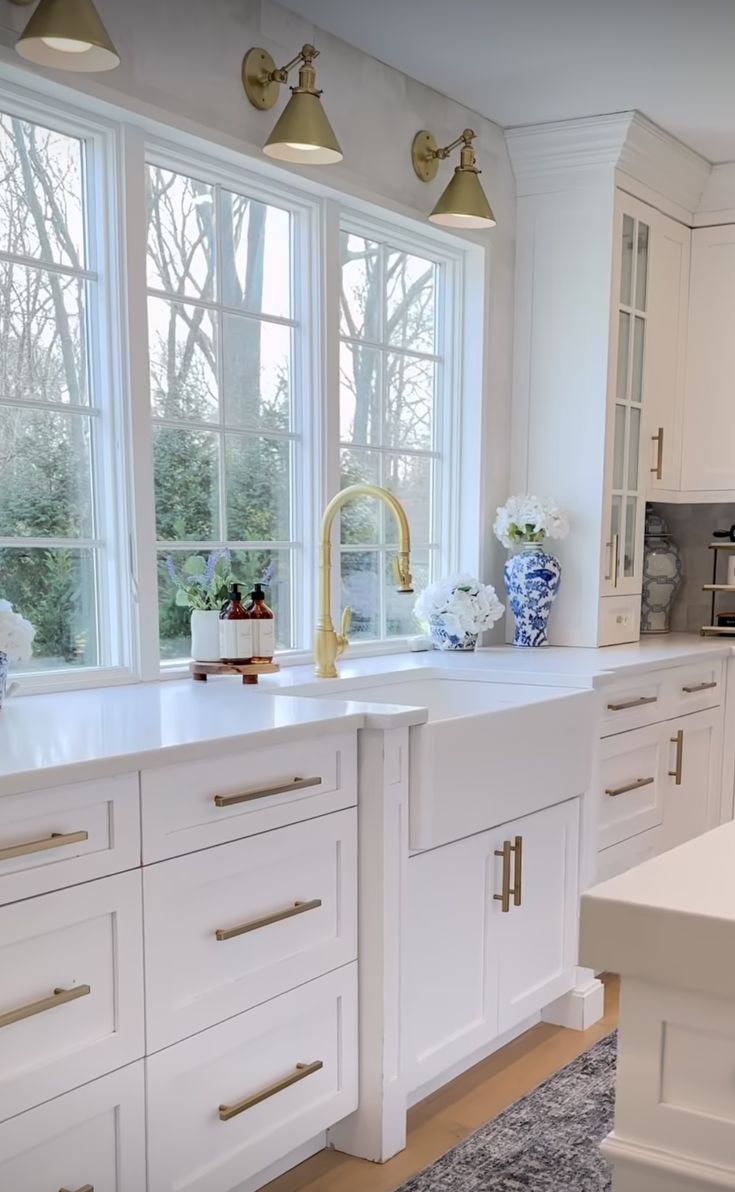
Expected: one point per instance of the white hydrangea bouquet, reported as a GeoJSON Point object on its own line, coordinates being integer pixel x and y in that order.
{"type": "Point", "coordinates": [16, 642]}
{"type": "Point", "coordinates": [529, 519]}
{"type": "Point", "coordinates": [457, 609]}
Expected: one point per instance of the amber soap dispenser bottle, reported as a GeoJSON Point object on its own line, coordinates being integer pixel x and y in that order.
{"type": "Point", "coordinates": [235, 629]}
{"type": "Point", "coordinates": [264, 626]}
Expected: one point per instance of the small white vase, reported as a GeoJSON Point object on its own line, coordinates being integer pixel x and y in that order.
{"type": "Point", "coordinates": [205, 635]}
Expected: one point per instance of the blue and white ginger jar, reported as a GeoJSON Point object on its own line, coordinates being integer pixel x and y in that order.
{"type": "Point", "coordinates": [443, 639]}
{"type": "Point", "coordinates": [532, 580]}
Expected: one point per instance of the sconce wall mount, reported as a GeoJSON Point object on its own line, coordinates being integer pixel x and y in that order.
{"type": "Point", "coordinates": [463, 203]}
{"type": "Point", "coordinates": [302, 133]}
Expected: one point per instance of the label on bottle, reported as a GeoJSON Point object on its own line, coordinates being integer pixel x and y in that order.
{"type": "Point", "coordinates": [236, 640]}
{"type": "Point", "coordinates": [264, 638]}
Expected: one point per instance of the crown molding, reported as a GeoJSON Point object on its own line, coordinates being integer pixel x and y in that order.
{"type": "Point", "coordinates": [576, 153]}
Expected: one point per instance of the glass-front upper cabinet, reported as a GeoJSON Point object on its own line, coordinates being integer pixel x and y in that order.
{"type": "Point", "coordinates": [625, 488]}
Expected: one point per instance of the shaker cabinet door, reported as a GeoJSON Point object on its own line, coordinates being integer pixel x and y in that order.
{"type": "Point", "coordinates": [708, 459]}
{"type": "Point", "coordinates": [691, 802]}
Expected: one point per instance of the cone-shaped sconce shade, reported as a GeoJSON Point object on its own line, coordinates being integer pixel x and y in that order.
{"type": "Point", "coordinates": [67, 35]}
{"type": "Point", "coordinates": [464, 203]}
{"type": "Point", "coordinates": [303, 134]}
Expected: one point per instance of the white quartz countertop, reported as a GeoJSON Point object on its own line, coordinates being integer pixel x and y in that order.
{"type": "Point", "coordinates": [671, 920]}
{"type": "Point", "coordinates": [48, 739]}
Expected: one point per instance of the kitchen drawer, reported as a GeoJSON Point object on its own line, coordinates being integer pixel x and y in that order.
{"type": "Point", "coordinates": [694, 688]}
{"type": "Point", "coordinates": [232, 926]}
{"type": "Point", "coordinates": [226, 1103]}
{"type": "Point", "coordinates": [68, 834]}
{"type": "Point", "coordinates": [92, 1137]}
{"type": "Point", "coordinates": [633, 703]}
{"type": "Point", "coordinates": [228, 796]}
{"type": "Point", "coordinates": [71, 980]}
{"type": "Point", "coordinates": [631, 775]}
{"type": "Point", "coordinates": [629, 853]}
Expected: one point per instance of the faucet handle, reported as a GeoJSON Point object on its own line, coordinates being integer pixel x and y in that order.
{"type": "Point", "coordinates": [343, 638]}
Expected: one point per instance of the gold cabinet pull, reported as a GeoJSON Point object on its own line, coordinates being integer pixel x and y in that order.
{"type": "Point", "coordinates": [84, 1188]}
{"type": "Point", "coordinates": [504, 898]}
{"type": "Point", "coordinates": [301, 1072]}
{"type": "Point", "coordinates": [298, 908]}
{"type": "Point", "coordinates": [55, 840]}
{"type": "Point", "coordinates": [678, 770]}
{"type": "Point", "coordinates": [58, 998]}
{"type": "Point", "coordinates": [296, 784]}
{"type": "Point", "coordinates": [517, 851]}
{"type": "Point", "coordinates": [658, 471]}
{"type": "Point", "coordinates": [633, 703]}
{"type": "Point", "coordinates": [614, 791]}
{"type": "Point", "coordinates": [699, 687]}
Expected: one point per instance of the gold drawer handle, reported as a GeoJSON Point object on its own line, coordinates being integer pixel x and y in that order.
{"type": "Point", "coordinates": [298, 908]}
{"type": "Point", "coordinates": [699, 687]}
{"type": "Point", "coordinates": [633, 703]}
{"type": "Point", "coordinates": [505, 852]}
{"type": "Point", "coordinates": [658, 471]}
{"type": "Point", "coordinates": [613, 792]}
{"type": "Point", "coordinates": [58, 998]}
{"type": "Point", "coordinates": [678, 771]}
{"type": "Point", "coordinates": [302, 1071]}
{"type": "Point", "coordinates": [85, 1188]}
{"type": "Point", "coordinates": [296, 784]}
{"type": "Point", "coordinates": [55, 840]}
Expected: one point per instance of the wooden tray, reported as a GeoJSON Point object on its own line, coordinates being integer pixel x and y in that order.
{"type": "Point", "coordinates": [250, 671]}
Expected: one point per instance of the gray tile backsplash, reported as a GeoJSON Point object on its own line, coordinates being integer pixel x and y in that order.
{"type": "Point", "coordinates": [691, 528]}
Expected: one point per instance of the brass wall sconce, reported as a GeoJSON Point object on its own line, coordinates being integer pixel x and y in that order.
{"type": "Point", "coordinates": [464, 203]}
{"type": "Point", "coordinates": [67, 35]}
{"type": "Point", "coordinates": [302, 132]}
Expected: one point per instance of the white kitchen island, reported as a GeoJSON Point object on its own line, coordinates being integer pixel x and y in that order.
{"type": "Point", "coordinates": [668, 928]}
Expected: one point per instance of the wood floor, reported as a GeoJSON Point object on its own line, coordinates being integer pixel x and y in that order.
{"type": "Point", "coordinates": [449, 1115]}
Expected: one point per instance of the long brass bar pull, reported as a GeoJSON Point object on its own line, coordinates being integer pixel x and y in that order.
{"type": "Point", "coordinates": [55, 840]}
{"type": "Point", "coordinates": [633, 703]}
{"type": "Point", "coordinates": [699, 687]}
{"type": "Point", "coordinates": [614, 791]}
{"type": "Point", "coordinates": [678, 771]}
{"type": "Point", "coordinates": [302, 1071]}
{"type": "Point", "coordinates": [84, 1188]}
{"type": "Point", "coordinates": [58, 998]}
{"type": "Point", "coordinates": [298, 908]}
{"type": "Point", "coordinates": [296, 784]}
{"type": "Point", "coordinates": [517, 851]}
{"type": "Point", "coordinates": [504, 898]}
{"type": "Point", "coordinates": [658, 471]}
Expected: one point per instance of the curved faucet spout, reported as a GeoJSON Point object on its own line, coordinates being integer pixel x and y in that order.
{"type": "Point", "coordinates": [328, 644]}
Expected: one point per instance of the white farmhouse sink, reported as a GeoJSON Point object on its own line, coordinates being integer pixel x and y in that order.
{"type": "Point", "coordinates": [488, 753]}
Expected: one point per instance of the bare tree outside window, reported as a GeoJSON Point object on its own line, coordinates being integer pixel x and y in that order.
{"type": "Point", "coordinates": [50, 550]}
{"type": "Point", "coordinates": [221, 350]}
{"type": "Point", "coordinates": [389, 424]}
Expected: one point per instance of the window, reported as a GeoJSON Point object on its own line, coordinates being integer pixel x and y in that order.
{"type": "Point", "coordinates": [222, 338]}
{"type": "Point", "coordinates": [54, 550]}
{"type": "Point", "coordinates": [391, 378]}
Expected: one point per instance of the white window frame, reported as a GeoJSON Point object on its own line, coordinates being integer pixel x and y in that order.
{"type": "Point", "coordinates": [116, 624]}
{"type": "Point", "coordinates": [123, 142]}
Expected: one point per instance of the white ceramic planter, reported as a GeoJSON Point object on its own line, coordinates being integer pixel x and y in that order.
{"type": "Point", "coordinates": [205, 635]}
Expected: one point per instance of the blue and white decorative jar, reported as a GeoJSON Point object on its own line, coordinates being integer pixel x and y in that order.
{"type": "Point", "coordinates": [662, 575]}
{"type": "Point", "coordinates": [3, 676]}
{"type": "Point", "coordinates": [443, 639]}
{"type": "Point", "coordinates": [532, 580]}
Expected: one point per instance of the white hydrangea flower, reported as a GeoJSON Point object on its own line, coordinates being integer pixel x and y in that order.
{"type": "Point", "coordinates": [463, 603]}
{"type": "Point", "coordinates": [16, 634]}
{"type": "Point", "coordinates": [526, 518]}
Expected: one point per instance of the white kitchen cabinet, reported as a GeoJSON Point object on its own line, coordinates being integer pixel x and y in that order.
{"type": "Point", "coordinates": [667, 349]}
{"type": "Point", "coordinates": [708, 459]}
{"type": "Point", "coordinates": [474, 969]}
{"type": "Point", "coordinates": [691, 802]}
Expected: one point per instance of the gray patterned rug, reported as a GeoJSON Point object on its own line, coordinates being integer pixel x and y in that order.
{"type": "Point", "coordinates": [548, 1142]}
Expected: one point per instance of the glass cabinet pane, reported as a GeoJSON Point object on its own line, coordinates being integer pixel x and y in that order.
{"type": "Point", "coordinates": [626, 267]}
{"type": "Point", "coordinates": [623, 350]}
{"type": "Point", "coordinates": [639, 331]}
{"type": "Point", "coordinates": [619, 450]}
{"type": "Point", "coordinates": [641, 268]}
{"type": "Point", "coordinates": [630, 528]}
{"type": "Point", "coordinates": [634, 449]}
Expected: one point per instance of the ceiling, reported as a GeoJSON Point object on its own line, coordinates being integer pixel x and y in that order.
{"type": "Point", "coordinates": [529, 61]}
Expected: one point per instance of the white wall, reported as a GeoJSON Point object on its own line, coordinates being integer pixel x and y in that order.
{"type": "Point", "coordinates": [181, 62]}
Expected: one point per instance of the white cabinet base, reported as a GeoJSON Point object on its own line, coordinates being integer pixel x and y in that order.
{"type": "Point", "coordinates": [582, 1007]}
{"type": "Point", "coordinates": [638, 1168]}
